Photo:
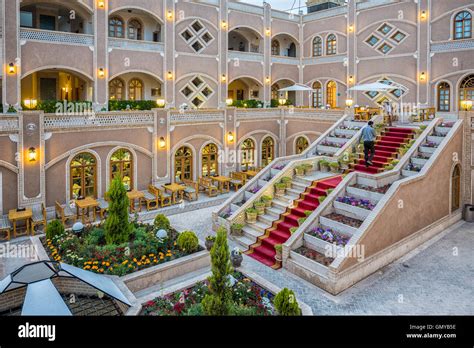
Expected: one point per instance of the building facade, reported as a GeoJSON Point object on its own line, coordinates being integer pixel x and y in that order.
{"type": "Point", "coordinates": [201, 53]}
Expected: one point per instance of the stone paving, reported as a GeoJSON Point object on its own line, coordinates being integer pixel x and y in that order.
{"type": "Point", "coordinates": [435, 279]}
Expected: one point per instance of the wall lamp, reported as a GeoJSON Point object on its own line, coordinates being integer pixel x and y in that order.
{"type": "Point", "coordinates": [11, 68]}
{"type": "Point", "coordinates": [160, 103]}
{"type": "Point", "coordinates": [229, 101]}
{"type": "Point", "coordinates": [224, 25]}
{"type": "Point", "coordinates": [223, 78]}
{"type": "Point", "coordinates": [101, 4]}
{"type": "Point", "coordinates": [32, 154]}
{"type": "Point", "coordinates": [423, 15]}
{"type": "Point", "coordinates": [101, 73]}
{"type": "Point", "coordinates": [230, 137]}
{"type": "Point", "coordinates": [170, 75]}
{"type": "Point", "coordinates": [162, 143]}
{"type": "Point", "coordinates": [422, 76]}
{"type": "Point", "coordinates": [169, 15]}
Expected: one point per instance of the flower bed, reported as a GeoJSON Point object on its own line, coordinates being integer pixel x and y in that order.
{"type": "Point", "coordinates": [344, 220]}
{"type": "Point", "coordinates": [430, 144]}
{"type": "Point", "coordinates": [329, 236]}
{"type": "Point", "coordinates": [356, 128]}
{"type": "Point", "coordinates": [422, 155]}
{"type": "Point", "coordinates": [249, 299]}
{"type": "Point", "coordinates": [90, 252]}
{"type": "Point", "coordinates": [382, 189]}
{"type": "Point", "coordinates": [314, 255]}
{"type": "Point", "coordinates": [331, 144]}
{"type": "Point", "coordinates": [447, 124]}
{"type": "Point", "coordinates": [413, 168]}
{"type": "Point", "coordinates": [255, 189]}
{"type": "Point", "coordinates": [341, 136]}
{"type": "Point", "coordinates": [227, 213]}
{"type": "Point", "coordinates": [355, 202]}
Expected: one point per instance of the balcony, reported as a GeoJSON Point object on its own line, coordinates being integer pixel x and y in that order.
{"type": "Point", "coordinates": [246, 56]}
{"type": "Point", "coordinates": [56, 37]}
{"type": "Point", "coordinates": [135, 45]}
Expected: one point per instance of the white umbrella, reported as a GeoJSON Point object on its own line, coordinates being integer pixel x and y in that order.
{"type": "Point", "coordinates": [372, 87]}
{"type": "Point", "coordinates": [297, 87]}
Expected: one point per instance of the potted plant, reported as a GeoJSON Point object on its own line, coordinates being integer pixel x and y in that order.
{"type": "Point", "coordinates": [334, 167]}
{"type": "Point", "coordinates": [389, 167]}
{"type": "Point", "coordinates": [293, 230]}
{"type": "Point", "coordinates": [301, 221]}
{"type": "Point", "coordinates": [321, 199]}
{"type": "Point", "coordinates": [236, 257]}
{"type": "Point", "coordinates": [251, 214]}
{"type": "Point", "coordinates": [299, 170]}
{"type": "Point", "coordinates": [267, 200]}
{"type": "Point", "coordinates": [209, 242]}
{"type": "Point", "coordinates": [236, 229]}
{"type": "Point", "coordinates": [329, 191]}
{"type": "Point", "coordinates": [260, 207]}
{"type": "Point", "coordinates": [280, 189]}
{"type": "Point", "coordinates": [278, 249]}
{"type": "Point", "coordinates": [308, 168]}
{"type": "Point", "coordinates": [308, 213]}
{"type": "Point", "coordinates": [287, 181]}
{"type": "Point", "coordinates": [324, 166]}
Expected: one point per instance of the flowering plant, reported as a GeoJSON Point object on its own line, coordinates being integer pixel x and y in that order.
{"type": "Point", "coordinates": [430, 144]}
{"type": "Point", "coordinates": [413, 168]}
{"type": "Point", "coordinates": [360, 203]}
{"type": "Point", "coordinates": [329, 236]}
{"type": "Point", "coordinates": [331, 144]}
{"type": "Point", "coordinates": [255, 189]}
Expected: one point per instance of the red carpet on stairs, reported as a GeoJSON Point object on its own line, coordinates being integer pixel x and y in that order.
{"type": "Point", "coordinates": [264, 249]}
{"type": "Point", "coordinates": [386, 149]}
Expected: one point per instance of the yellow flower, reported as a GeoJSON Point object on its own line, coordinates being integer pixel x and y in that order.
{"type": "Point", "coordinates": [151, 255]}
{"type": "Point", "coordinates": [123, 263]}
{"type": "Point", "coordinates": [134, 259]}
{"type": "Point", "coordinates": [161, 257]}
{"type": "Point", "coordinates": [96, 262]}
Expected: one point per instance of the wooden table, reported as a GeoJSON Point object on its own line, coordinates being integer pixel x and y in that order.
{"type": "Point", "coordinates": [134, 195]}
{"type": "Point", "coordinates": [85, 204]}
{"type": "Point", "coordinates": [174, 188]}
{"type": "Point", "coordinates": [251, 173]}
{"type": "Point", "coordinates": [14, 216]}
{"type": "Point", "coordinates": [223, 183]}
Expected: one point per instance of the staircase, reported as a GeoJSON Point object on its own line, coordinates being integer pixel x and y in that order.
{"type": "Point", "coordinates": [387, 147]}
{"type": "Point", "coordinates": [279, 232]}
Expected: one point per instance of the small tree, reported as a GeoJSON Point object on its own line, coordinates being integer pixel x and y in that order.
{"type": "Point", "coordinates": [117, 225]}
{"type": "Point", "coordinates": [219, 301]}
{"type": "Point", "coordinates": [54, 228]}
{"type": "Point", "coordinates": [285, 303]}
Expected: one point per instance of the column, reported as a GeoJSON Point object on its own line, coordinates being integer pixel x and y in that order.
{"type": "Point", "coordinates": [267, 53]}
{"type": "Point", "coordinates": [161, 147]}
{"type": "Point", "coordinates": [169, 72]}
{"type": "Point", "coordinates": [351, 29]}
{"type": "Point", "coordinates": [101, 54]}
{"type": "Point", "coordinates": [423, 57]}
{"type": "Point", "coordinates": [223, 73]}
{"type": "Point", "coordinates": [230, 145]}
{"type": "Point", "coordinates": [12, 55]}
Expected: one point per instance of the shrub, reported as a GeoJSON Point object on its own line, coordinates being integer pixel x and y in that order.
{"type": "Point", "coordinates": [96, 237]}
{"type": "Point", "coordinates": [251, 211]}
{"type": "Point", "coordinates": [323, 163]}
{"type": "Point", "coordinates": [308, 212]}
{"type": "Point", "coordinates": [285, 303]}
{"type": "Point", "coordinates": [188, 241]}
{"type": "Point", "coordinates": [259, 204]}
{"type": "Point", "coordinates": [301, 221]}
{"type": "Point", "coordinates": [218, 302]}
{"type": "Point", "coordinates": [266, 198]}
{"type": "Point", "coordinates": [54, 228]}
{"type": "Point", "coordinates": [117, 226]}
{"type": "Point", "coordinates": [334, 165]}
{"type": "Point", "coordinates": [117, 105]}
{"type": "Point", "coordinates": [162, 223]}
{"type": "Point", "coordinates": [278, 247]}
{"type": "Point", "coordinates": [293, 230]}
{"type": "Point", "coordinates": [321, 199]}
{"type": "Point", "coordinates": [286, 179]}
{"type": "Point", "coordinates": [280, 185]}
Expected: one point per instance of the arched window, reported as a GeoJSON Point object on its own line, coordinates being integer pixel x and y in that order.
{"type": "Point", "coordinates": [301, 144]}
{"type": "Point", "coordinates": [456, 188]}
{"type": "Point", "coordinates": [116, 27]}
{"type": "Point", "coordinates": [135, 89]}
{"type": "Point", "coordinates": [116, 89]}
{"type": "Point", "coordinates": [268, 151]}
{"type": "Point", "coordinates": [317, 47]}
{"type": "Point", "coordinates": [209, 157]}
{"type": "Point", "coordinates": [292, 50]}
{"type": "Point", "coordinates": [275, 48]}
{"type": "Point", "coordinates": [275, 92]}
{"type": "Point", "coordinates": [331, 44]}
{"type": "Point", "coordinates": [121, 165]}
{"type": "Point", "coordinates": [183, 164]}
{"type": "Point", "coordinates": [466, 89]}
{"type": "Point", "coordinates": [463, 25]}
{"type": "Point", "coordinates": [134, 30]}
{"type": "Point", "coordinates": [443, 97]}
{"type": "Point", "coordinates": [317, 95]}
{"type": "Point", "coordinates": [248, 153]}
{"type": "Point", "coordinates": [83, 173]}
{"type": "Point", "coordinates": [331, 94]}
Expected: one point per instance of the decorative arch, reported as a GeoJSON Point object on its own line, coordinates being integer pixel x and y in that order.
{"type": "Point", "coordinates": [255, 30]}
{"type": "Point", "coordinates": [275, 47]}
{"type": "Point", "coordinates": [317, 46]}
{"type": "Point", "coordinates": [298, 145]}
{"type": "Point", "coordinates": [317, 94]}
{"type": "Point", "coordinates": [118, 9]}
{"type": "Point", "coordinates": [117, 89]}
{"type": "Point", "coordinates": [465, 89]}
{"type": "Point", "coordinates": [209, 159]}
{"type": "Point", "coordinates": [138, 27]}
{"type": "Point", "coordinates": [268, 149]}
{"type": "Point", "coordinates": [134, 167]}
{"type": "Point", "coordinates": [246, 77]}
{"type": "Point", "coordinates": [81, 74]}
{"type": "Point", "coordinates": [443, 95]}
{"type": "Point", "coordinates": [135, 86]}
{"type": "Point", "coordinates": [116, 27]}
{"type": "Point", "coordinates": [98, 174]}
{"type": "Point", "coordinates": [331, 94]}
{"type": "Point", "coordinates": [248, 152]}
{"type": "Point", "coordinates": [461, 25]}
{"type": "Point", "coordinates": [455, 189]}
{"type": "Point", "coordinates": [146, 72]}
{"type": "Point", "coordinates": [331, 44]}
{"type": "Point", "coordinates": [185, 163]}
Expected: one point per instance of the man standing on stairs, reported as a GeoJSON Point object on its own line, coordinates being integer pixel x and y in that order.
{"type": "Point", "coordinates": [368, 135]}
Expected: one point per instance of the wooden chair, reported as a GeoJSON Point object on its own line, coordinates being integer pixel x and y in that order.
{"type": "Point", "coordinates": [191, 192]}
{"type": "Point", "coordinates": [237, 180]}
{"type": "Point", "coordinates": [64, 213]}
{"type": "Point", "coordinates": [39, 218]}
{"type": "Point", "coordinates": [164, 199]}
{"type": "Point", "coordinates": [103, 207]}
{"type": "Point", "coordinates": [151, 198]}
{"type": "Point", "coordinates": [205, 184]}
{"type": "Point", "coordinates": [5, 228]}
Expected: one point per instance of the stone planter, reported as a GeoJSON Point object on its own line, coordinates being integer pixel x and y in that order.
{"type": "Point", "coordinates": [260, 208]}
{"type": "Point", "coordinates": [288, 184]}
{"type": "Point", "coordinates": [251, 217]}
{"type": "Point", "coordinates": [209, 244]}
{"type": "Point", "coordinates": [299, 171]}
{"type": "Point", "coordinates": [279, 191]}
{"type": "Point", "coordinates": [268, 203]}
{"type": "Point", "coordinates": [278, 256]}
{"type": "Point", "coordinates": [334, 169]}
{"type": "Point", "coordinates": [324, 168]}
{"type": "Point", "coordinates": [236, 231]}
{"type": "Point", "coordinates": [236, 259]}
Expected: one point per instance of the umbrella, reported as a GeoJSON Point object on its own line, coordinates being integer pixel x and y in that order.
{"type": "Point", "coordinates": [297, 87]}
{"type": "Point", "coordinates": [373, 87]}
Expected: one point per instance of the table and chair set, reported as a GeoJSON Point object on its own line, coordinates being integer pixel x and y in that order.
{"type": "Point", "coordinates": [152, 198]}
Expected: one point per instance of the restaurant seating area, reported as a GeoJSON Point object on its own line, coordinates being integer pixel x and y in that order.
{"type": "Point", "coordinates": [87, 210]}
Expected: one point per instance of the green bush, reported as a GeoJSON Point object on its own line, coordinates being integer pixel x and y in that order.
{"type": "Point", "coordinates": [286, 179]}
{"type": "Point", "coordinates": [162, 223]}
{"type": "Point", "coordinates": [96, 237]}
{"type": "Point", "coordinates": [278, 247]}
{"type": "Point", "coordinates": [218, 302]}
{"type": "Point", "coordinates": [242, 311]}
{"type": "Point", "coordinates": [54, 228]}
{"type": "Point", "coordinates": [195, 310]}
{"type": "Point", "coordinates": [188, 241]}
{"type": "Point", "coordinates": [321, 199]}
{"type": "Point", "coordinates": [117, 226]}
{"type": "Point", "coordinates": [118, 105]}
{"type": "Point", "coordinates": [285, 303]}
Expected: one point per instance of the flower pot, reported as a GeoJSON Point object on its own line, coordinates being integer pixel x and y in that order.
{"type": "Point", "coordinates": [260, 209]}
{"type": "Point", "coordinates": [251, 218]}
{"type": "Point", "coordinates": [278, 256]}
{"type": "Point", "coordinates": [299, 171]}
{"type": "Point", "coordinates": [236, 231]}
{"type": "Point", "coordinates": [308, 171]}
{"type": "Point", "coordinates": [268, 204]}
{"type": "Point", "coordinates": [324, 168]}
{"type": "Point", "coordinates": [236, 260]}
{"type": "Point", "coordinates": [279, 191]}
{"type": "Point", "coordinates": [334, 169]}
{"type": "Point", "coordinates": [288, 184]}
{"type": "Point", "coordinates": [209, 244]}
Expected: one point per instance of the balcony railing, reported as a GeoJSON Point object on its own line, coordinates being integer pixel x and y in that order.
{"type": "Point", "coordinates": [285, 60]}
{"type": "Point", "coordinates": [9, 123]}
{"type": "Point", "coordinates": [56, 36]}
{"type": "Point", "coordinates": [211, 115]}
{"type": "Point", "coordinates": [246, 56]}
{"type": "Point", "coordinates": [139, 45]}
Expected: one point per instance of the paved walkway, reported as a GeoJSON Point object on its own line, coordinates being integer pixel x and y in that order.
{"type": "Point", "coordinates": [435, 279]}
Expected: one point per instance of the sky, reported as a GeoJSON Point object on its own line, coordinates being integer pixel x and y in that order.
{"type": "Point", "coordinates": [279, 4]}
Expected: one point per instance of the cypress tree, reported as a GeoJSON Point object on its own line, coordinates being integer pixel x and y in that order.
{"type": "Point", "coordinates": [117, 226]}
{"type": "Point", "coordinates": [219, 301]}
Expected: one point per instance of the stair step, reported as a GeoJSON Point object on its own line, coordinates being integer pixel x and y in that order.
{"type": "Point", "coordinates": [260, 226]}
{"type": "Point", "coordinates": [251, 232]}
{"type": "Point", "coordinates": [294, 192]}
{"type": "Point", "coordinates": [347, 213]}
{"type": "Point", "coordinates": [337, 226]}
{"type": "Point", "coordinates": [244, 242]}
{"type": "Point", "coordinates": [349, 210]}
{"type": "Point", "coordinates": [274, 211]}
{"type": "Point", "coordinates": [280, 204]}
{"type": "Point", "coordinates": [298, 186]}
{"type": "Point", "coordinates": [364, 194]}
{"type": "Point", "coordinates": [267, 219]}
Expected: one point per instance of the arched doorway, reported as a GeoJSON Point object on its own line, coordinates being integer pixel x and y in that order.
{"type": "Point", "coordinates": [466, 90]}
{"type": "Point", "coordinates": [444, 96]}
{"type": "Point", "coordinates": [301, 144]}
{"type": "Point", "coordinates": [245, 40]}
{"type": "Point", "coordinates": [247, 153]}
{"type": "Point", "coordinates": [83, 176]}
{"type": "Point", "coordinates": [209, 160]}
{"type": "Point", "coordinates": [331, 94]}
{"type": "Point", "coordinates": [317, 95]}
{"type": "Point", "coordinates": [456, 188]}
{"type": "Point", "coordinates": [183, 164]}
{"type": "Point", "coordinates": [245, 88]}
{"type": "Point", "coordinates": [268, 151]}
{"type": "Point", "coordinates": [121, 166]}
